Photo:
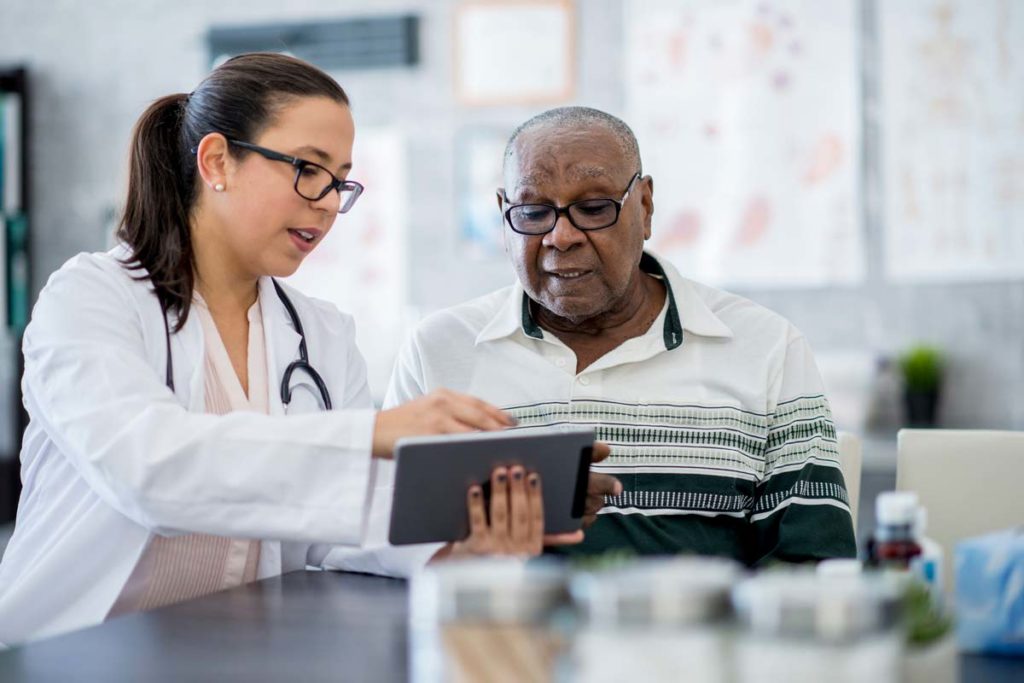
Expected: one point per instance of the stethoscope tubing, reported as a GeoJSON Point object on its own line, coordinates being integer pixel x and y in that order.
{"type": "Point", "coordinates": [301, 364]}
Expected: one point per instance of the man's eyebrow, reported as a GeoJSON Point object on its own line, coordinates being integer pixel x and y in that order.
{"type": "Point", "coordinates": [322, 156]}
{"type": "Point", "coordinates": [529, 185]}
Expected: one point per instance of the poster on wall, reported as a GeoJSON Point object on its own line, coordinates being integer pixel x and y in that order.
{"type": "Point", "coordinates": [361, 265]}
{"type": "Point", "coordinates": [952, 116]}
{"type": "Point", "coordinates": [748, 118]}
{"type": "Point", "coordinates": [479, 155]}
{"type": "Point", "coordinates": [514, 51]}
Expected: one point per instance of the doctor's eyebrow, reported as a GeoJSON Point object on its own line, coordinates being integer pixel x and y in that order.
{"type": "Point", "coordinates": [322, 156]}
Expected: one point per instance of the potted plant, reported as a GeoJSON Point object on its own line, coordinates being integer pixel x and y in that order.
{"type": "Point", "coordinates": [922, 369]}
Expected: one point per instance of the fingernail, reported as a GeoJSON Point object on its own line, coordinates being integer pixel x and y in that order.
{"type": "Point", "coordinates": [501, 477]}
{"type": "Point", "coordinates": [534, 481]}
{"type": "Point", "coordinates": [474, 492]}
{"type": "Point", "coordinates": [517, 475]}
{"type": "Point", "coordinates": [511, 419]}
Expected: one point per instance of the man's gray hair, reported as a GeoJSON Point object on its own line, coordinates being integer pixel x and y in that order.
{"type": "Point", "coordinates": [569, 118]}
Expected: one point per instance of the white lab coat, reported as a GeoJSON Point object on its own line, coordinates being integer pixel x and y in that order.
{"type": "Point", "coordinates": [111, 457]}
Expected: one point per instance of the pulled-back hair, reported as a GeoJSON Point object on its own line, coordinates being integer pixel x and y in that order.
{"type": "Point", "coordinates": [239, 99]}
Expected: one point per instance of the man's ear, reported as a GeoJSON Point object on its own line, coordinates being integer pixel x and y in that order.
{"type": "Point", "coordinates": [647, 202]}
{"type": "Point", "coordinates": [213, 160]}
{"type": "Point", "coordinates": [499, 195]}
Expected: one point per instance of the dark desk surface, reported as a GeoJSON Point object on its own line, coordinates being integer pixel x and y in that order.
{"type": "Point", "coordinates": [303, 626]}
{"type": "Point", "coordinates": [308, 626]}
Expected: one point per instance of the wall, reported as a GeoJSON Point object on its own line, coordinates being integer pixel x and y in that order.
{"type": "Point", "coordinates": [96, 65]}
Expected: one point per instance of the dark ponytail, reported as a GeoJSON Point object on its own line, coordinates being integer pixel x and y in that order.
{"type": "Point", "coordinates": [155, 222]}
{"type": "Point", "coordinates": [238, 99]}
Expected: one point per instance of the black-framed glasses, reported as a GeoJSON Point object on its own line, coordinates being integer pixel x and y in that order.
{"type": "Point", "coordinates": [312, 181]}
{"type": "Point", "coordinates": [585, 214]}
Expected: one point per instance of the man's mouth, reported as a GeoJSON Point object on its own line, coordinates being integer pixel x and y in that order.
{"type": "Point", "coordinates": [569, 273]}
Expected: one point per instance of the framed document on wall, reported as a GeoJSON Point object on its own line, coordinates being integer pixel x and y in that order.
{"type": "Point", "coordinates": [514, 52]}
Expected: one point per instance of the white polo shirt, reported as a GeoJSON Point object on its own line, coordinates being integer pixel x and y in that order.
{"type": "Point", "coordinates": [719, 429]}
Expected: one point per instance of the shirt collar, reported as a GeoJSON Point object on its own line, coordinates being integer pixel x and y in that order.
{"type": "Point", "coordinates": [686, 310]}
{"type": "Point", "coordinates": [513, 317]}
{"type": "Point", "coordinates": [694, 312]}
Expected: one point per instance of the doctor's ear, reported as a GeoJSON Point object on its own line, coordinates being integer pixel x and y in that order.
{"type": "Point", "coordinates": [213, 161]}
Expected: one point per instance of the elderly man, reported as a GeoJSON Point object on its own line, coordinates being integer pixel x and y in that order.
{"type": "Point", "coordinates": [714, 409]}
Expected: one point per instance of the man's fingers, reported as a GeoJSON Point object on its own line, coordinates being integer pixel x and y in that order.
{"type": "Point", "coordinates": [600, 452]}
{"type": "Point", "coordinates": [590, 516]}
{"type": "Point", "coordinates": [603, 485]}
{"type": "Point", "coordinates": [593, 505]}
{"type": "Point", "coordinates": [598, 487]}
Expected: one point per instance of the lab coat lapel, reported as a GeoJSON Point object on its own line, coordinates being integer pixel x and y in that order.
{"type": "Point", "coordinates": [282, 344]}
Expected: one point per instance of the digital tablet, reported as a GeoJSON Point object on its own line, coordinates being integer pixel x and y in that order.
{"type": "Point", "coordinates": [434, 473]}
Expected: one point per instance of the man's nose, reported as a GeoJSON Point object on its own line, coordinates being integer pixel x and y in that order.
{"type": "Point", "coordinates": [565, 235]}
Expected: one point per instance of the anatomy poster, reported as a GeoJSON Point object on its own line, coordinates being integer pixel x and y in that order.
{"type": "Point", "coordinates": [952, 90]}
{"type": "Point", "coordinates": [748, 119]}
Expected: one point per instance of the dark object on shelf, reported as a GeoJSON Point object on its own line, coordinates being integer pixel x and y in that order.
{"type": "Point", "coordinates": [921, 407]}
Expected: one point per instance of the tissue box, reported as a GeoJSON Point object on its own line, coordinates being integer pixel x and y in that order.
{"type": "Point", "coordinates": [990, 593]}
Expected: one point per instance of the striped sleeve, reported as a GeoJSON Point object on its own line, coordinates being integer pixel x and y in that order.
{"type": "Point", "coordinates": [801, 510]}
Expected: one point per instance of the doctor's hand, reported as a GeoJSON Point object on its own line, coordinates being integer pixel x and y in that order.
{"type": "Point", "coordinates": [516, 519]}
{"type": "Point", "coordinates": [599, 485]}
{"type": "Point", "coordinates": [439, 412]}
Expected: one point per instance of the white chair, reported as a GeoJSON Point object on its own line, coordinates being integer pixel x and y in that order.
{"type": "Point", "coordinates": [850, 455]}
{"type": "Point", "coordinates": [970, 482]}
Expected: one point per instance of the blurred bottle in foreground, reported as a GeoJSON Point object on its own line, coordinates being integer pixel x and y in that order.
{"type": "Point", "coordinates": [653, 620]}
{"type": "Point", "coordinates": [800, 626]}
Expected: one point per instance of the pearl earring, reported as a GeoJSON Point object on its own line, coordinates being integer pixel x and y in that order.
{"type": "Point", "coordinates": [219, 187]}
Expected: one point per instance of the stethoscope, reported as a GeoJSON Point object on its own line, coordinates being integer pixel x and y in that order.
{"type": "Point", "coordinates": [301, 364]}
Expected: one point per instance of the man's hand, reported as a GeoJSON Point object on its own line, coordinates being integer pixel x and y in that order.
{"type": "Point", "coordinates": [599, 485]}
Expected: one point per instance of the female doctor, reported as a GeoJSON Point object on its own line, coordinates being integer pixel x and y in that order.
{"type": "Point", "coordinates": [195, 424]}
